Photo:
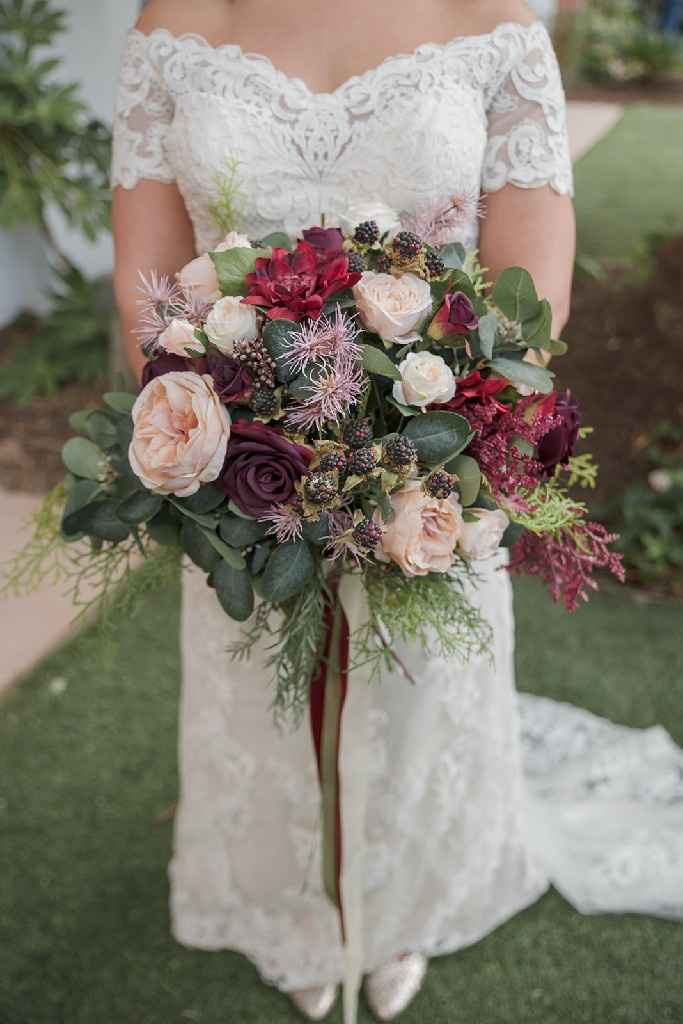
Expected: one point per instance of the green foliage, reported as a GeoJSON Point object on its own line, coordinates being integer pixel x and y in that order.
{"type": "Point", "coordinates": [233, 265]}
{"type": "Point", "coordinates": [234, 591]}
{"type": "Point", "coordinates": [277, 336]}
{"type": "Point", "coordinates": [519, 371]}
{"type": "Point", "coordinates": [52, 151]}
{"type": "Point", "coordinates": [288, 570]}
{"type": "Point", "coordinates": [377, 362]}
{"type": "Point", "coordinates": [438, 436]}
{"type": "Point", "coordinates": [620, 46]}
{"type": "Point", "coordinates": [225, 207]}
{"type": "Point", "coordinates": [70, 345]}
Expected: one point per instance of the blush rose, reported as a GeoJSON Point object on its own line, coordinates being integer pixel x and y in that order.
{"type": "Point", "coordinates": [422, 536]}
{"type": "Point", "coordinates": [393, 307]}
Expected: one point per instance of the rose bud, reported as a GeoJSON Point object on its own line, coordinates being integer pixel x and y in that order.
{"type": "Point", "coordinates": [231, 379]}
{"type": "Point", "coordinates": [327, 242]}
{"type": "Point", "coordinates": [455, 317]}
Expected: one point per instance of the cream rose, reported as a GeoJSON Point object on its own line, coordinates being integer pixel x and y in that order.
{"type": "Point", "coordinates": [393, 307]}
{"type": "Point", "coordinates": [425, 378]}
{"type": "Point", "coordinates": [180, 433]}
{"type": "Point", "coordinates": [481, 538]}
{"type": "Point", "coordinates": [229, 321]}
{"type": "Point", "coordinates": [386, 219]}
{"type": "Point", "coordinates": [200, 277]}
{"type": "Point", "coordinates": [233, 240]}
{"type": "Point", "coordinates": [422, 536]}
{"type": "Point", "coordinates": [179, 338]}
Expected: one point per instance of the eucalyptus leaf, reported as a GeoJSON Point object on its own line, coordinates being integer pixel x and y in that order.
{"type": "Point", "coordinates": [206, 521]}
{"type": "Point", "coordinates": [438, 436]}
{"type": "Point", "coordinates": [287, 571]}
{"type": "Point", "coordinates": [488, 328]}
{"type": "Point", "coordinates": [453, 255]}
{"type": "Point", "coordinates": [258, 558]}
{"type": "Point", "coordinates": [536, 331]}
{"type": "Point", "coordinates": [234, 591]}
{"type": "Point", "coordinates": [318, 533]}
{"type": "Point", "coordinates": [233, 265]}
{"type": "Point", "coordinates": [511, 535]}
{"type": "Point", "coordinates": [101, 430]}
{"type": "Point", "coordinates": [459, 281]}
{"type": "Point", "coordinates": [228, 554]}
{"type": "Point", "coordinates": [139, 507]}
{"type": "Point", "coordinates": [405, 410]}
{"type": "Point", "coordinates": [239, 532]}
{"type": "Point", "coordinates": [515, 295]}
{"type": "Point", "coordinates": [378, 362]}
{"type": "Point", "coordinates": [78, 421]}
{"type": "Point", "coordinates": [165, 527]}
{"type": "Point", "coordinates": [203, 501]}
{"type": "Point", "coordinates": [277, 337]}
{"type": "Point", "coordinates": [556, 347]}
{"type": "Point", "coordinates": [469, 477]}
{"type": "Point", "coordinates": [98, 519]}
{"type": "Point", "coordinates": [120, 401]}
{"type": "Point", "coordinates": [81, 493]}
{"type": "Point", "coordinates": [83, 458]}
{"type": "Point", "coordinates": [276, 240]}
{"type": "Point", "coordinates": [521, 372]}
{"type": "Point", "coordinates": [196, 545]}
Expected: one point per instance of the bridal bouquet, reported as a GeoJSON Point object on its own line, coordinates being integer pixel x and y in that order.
{"type": "Point", "coordinates": [348, 402]}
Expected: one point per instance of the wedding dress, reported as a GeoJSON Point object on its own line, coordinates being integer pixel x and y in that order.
{"type": "Point", "coordinates": [458, 840]}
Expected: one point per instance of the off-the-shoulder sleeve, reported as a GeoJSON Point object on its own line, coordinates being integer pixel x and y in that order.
{"type": "Point", "coordinates": [143, 112]}
{"type": "Point", "coordinates": [527, 118]}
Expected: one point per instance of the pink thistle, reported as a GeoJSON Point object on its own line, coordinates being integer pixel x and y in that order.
{"type": "Point", "coordinates": [566, 560]}
{"type": "Point", "coordinates": [163, 301]}
{"type": "Point", "coordinates": [286, 522]}
{"type": "Point", "coordinates": [328, 337]}
{"type": "Point", "coordinates": [342, 543]}
{"type": "Point", "coordinates": [333, 389]}
{"type": "Point", "coordinates": [439, 221]}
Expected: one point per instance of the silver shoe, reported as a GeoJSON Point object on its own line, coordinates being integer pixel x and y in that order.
{"type": "Point", "coordinates": [314, 1003]}
{"type": "Point", "coordinates": [393, 986]}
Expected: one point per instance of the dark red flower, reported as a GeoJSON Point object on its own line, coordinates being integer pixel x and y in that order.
{"type": "Point", "coordinates": [231, 378]}
{"type": "Point", "coordinates": [327, 242]}
{"type": "Point", "coordinates": [475, 388]}
{"type": "Point", "coordinates": [262, 467]}
{"type": "Point", "coordinates": [165, 363]}
{"type": "Point", "coordinates": [293, 285]}
{"type": "Point", "coordinates": [455, 316]}
{"type": "Point", "coordinates": [557, 446]}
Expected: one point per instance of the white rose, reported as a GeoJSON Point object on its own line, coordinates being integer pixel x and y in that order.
{"type": "Point", "coordinates": [229, 321]}
{"type": "Point", "coordinates": [386, 219]}
{"type": "Point", "coordinates": [200, 277]}
{"type": "Point", "coordinates": [393, 307]}
{"type": "Point", "coordinates": [179, 338]}
{"type": "Point", "coordinates": [233, 240]}
{"type": "Point", "coordinates": [481, 539]}
{"type": "Point", "coordinates": [425, 378]}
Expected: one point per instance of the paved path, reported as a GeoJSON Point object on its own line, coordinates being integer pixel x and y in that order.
{"type": "Point", "coordinates": [31, 627]}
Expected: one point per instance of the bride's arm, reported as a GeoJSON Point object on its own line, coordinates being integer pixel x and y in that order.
{"type": "Point", "coordinates": [532, 228]}
{"type": "Point", "coordinates": [152, 231]}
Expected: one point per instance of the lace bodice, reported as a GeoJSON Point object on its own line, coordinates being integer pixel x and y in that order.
{"type": "Point", "coordinates": [471, 114]}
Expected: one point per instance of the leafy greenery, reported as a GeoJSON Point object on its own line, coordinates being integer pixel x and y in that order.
{"type": "Point", "coordinates": [621, 46]}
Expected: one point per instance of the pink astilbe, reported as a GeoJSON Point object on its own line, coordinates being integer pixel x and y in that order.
{"type": "Point", "coordinates": [328, 337]}
{"type": "Point", "coordinates": [164, 300]}
{"type": "Point", "coordinates": [286, 522]}
{"type": "Point", "coordinates": [566, 560]}
{"type": "Point", "coordinates": [439, 221]}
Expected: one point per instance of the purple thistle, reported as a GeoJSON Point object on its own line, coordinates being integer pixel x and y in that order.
{"type": "Point", "coordinates": [333, 390]}
{"type": "Point", "coordinates": [286, 523]}
{"type": "Point", "coordinates": [328, 337]}
{"type": "Point", "coordinates": [439, 222]}
{"type": "Point", "coordinates": [163, 301]}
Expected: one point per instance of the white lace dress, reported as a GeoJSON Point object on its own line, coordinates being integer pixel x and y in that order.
{"type": "Point", "coordinates": [452, 847]}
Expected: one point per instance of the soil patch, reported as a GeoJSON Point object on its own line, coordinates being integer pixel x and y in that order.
{"type": "Point", "coordinates": [667, 93]}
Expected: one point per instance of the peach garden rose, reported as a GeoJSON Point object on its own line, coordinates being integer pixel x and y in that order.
{"type": "Point", "coordinates": [180, 433]}
{"type": "Point", "coordinates": [422, 536]}
{"type": "Point", "coordinates": [393, 307]}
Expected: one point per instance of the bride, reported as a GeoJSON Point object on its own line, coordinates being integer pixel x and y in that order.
{"type": "Point", "coordinates": [311, 110]}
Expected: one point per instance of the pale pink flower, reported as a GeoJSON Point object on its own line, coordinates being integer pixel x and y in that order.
{"type": "Point", "coordinates": [325, 338]}
{"type": "Point", "coordinates": [333, 388]}
{"type": "Point", "coordinates": [439, 221]}
{"type": "Point", "coordinates": [423, 533]}
{"type": "Point", "coordinates": [286, 523]}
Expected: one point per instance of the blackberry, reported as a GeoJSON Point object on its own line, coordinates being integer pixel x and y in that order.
{"type": "Point", "coordinates": [264, 402]}
{"type": "Point", "coordinates": [434, 264]}
{"type": "Point", "coordinates": [407, 245]}
{"type": "Point", "coordinates": [383, 263]}
{"type": "Point", "coordinates": [367, 233]}
{"type": "Point", "coordinates": [356, 263]}
{"type": "Point", "coordinates": [255, 356]}
{"type": "Point", "coordinates": [333, 461]}
{"type": "Point", "coordinates": [399, 452]}
{"type": "Point", "coordinates": [357, 433]}
{"type": "Point", "coordinates": [362, 461]}
{"type": "Point", "coordinates": [440, 484]}
{"type": "Point", "coordinates": [367, 534]}
{"type": "Point", "coordinates": [321, 488]}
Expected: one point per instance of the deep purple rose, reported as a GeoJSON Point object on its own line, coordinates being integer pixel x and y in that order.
{"type": "Point", "coordinates": [165, 363]}
{"type": "Point", "coordinates": [261, 467]}
{"type": "Point", "coordinates": [327, 242]}
{"type": "Point", "coordinates": [231, 378]}
{"type": "Point", "coordinates": [556, 447]}
{"type": "Point", "coordinates": [456, 316]}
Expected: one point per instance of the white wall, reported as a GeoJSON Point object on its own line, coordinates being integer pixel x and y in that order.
{"type": "Point", "coordinates": [91, 50]}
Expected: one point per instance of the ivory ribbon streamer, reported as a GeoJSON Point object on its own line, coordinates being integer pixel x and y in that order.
{"type": "Point", "coordinates": [354, 760]}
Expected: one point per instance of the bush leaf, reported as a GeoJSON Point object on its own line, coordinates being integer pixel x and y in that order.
{"type": "Point", "coordinates": [287, 571]}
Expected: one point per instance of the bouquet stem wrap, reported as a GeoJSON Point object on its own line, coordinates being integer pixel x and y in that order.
{"type": "Point", "coordinates": [340, 713]}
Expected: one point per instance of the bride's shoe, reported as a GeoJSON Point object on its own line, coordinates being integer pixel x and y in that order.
{"type": "Point", "coordinates": [393, 986]}
{"type": "Point", "coordinates": [314, 1003]}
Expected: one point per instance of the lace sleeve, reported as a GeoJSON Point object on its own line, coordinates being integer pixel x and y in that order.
{"type": "Point", "coordinates": [144, 110]}
{"type": "Point", "coordinates": [527, 120]}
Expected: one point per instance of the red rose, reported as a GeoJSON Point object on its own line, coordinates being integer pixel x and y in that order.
{"type": "Point", "coordinates": [293, 285]}
{"type": "Point", "coordinates": [475, 388]}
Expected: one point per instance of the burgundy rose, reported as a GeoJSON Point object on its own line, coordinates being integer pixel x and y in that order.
{"type": "Point", "coordinates": [557, 446]}
{"type": "Point", "coordinates": [456, 316]}
{"type": "Point", "coordinates": [231, 378]}
{"type": "Point", "coordinates": [327, 242]}
{"type": "Point", "coordinates": [165, 363]}
{"type": "Point", "coordinates": [261, 467]}
{"type": "Point", "coordinates": [293, 285]}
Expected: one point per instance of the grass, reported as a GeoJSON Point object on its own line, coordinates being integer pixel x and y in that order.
{"type": "Point", "coordinates": [629, 185]}
{"type": "Point", "coordinates": [88, 774]}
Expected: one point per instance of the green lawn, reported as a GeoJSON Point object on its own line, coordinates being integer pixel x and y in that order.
{"type": "Point", "coordinates": [87, 774]}
{"type": "Point", "coordinates": [631, 183]}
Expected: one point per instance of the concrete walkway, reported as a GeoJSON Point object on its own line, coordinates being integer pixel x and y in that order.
{"type": "Point", "coordinates": [32, 626]}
